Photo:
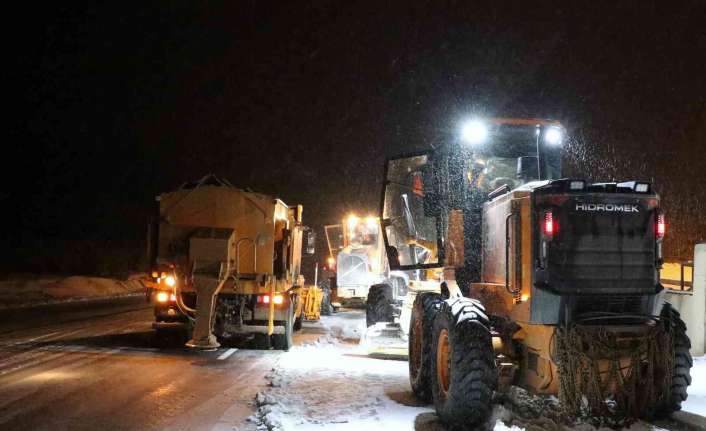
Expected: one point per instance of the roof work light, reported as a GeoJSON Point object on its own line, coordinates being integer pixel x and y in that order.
{"type": "Point", "coordinates": [474, 132]}
{"type": "Point", "coordinates": [553, 136]}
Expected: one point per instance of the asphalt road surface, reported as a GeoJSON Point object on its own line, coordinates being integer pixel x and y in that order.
{"type": "Point", "coordinates": [109, 372]}
{"type": "Point", "coordinates": [103, 369]}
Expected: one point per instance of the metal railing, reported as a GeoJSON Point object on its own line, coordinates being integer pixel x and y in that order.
{"type": "Point", "coordinates": [683, 283]}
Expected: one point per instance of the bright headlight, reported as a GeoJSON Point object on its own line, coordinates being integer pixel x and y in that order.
{"type": "Point", "coordinates": [170, 280]}
{"type": "Point", "coordinates": [474, 132]}
{"type": "Point", "coordinates": [352, 221]}
{"type": "Point", "coordinates": [553, 136]}
{"type": "Point", "coordinates": [162, 296]}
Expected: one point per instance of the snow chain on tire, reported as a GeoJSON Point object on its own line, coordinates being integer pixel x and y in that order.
{"type": "Point", "coordinates": [652, 384]}
{"type": "Point", "coordinates": [462, 330]}
{"type": "Point", "coordinates": [426, 306]}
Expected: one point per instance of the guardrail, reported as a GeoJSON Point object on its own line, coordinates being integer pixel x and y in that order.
{"type": "Point", "coordinates": [686, 291]}
{"type": "Point", "coordinates": [685, 272]}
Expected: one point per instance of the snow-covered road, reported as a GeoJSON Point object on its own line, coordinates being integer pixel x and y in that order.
{"type": "Point", "coordinates": [332, 384]}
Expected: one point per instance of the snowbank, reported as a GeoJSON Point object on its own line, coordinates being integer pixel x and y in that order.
{"type": "Point", "coordinates": [19, 292]}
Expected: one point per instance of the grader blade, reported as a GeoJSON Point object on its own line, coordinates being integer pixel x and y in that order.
{"type": "Point", "coordinates": [385, 340]}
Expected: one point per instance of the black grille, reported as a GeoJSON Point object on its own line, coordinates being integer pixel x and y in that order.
{"type": "Point", "coordinates": [609, 253]}
{"type": "Point", "coordinates": [610, 304]}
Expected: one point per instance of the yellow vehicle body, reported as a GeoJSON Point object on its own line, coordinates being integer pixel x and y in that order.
{"type": "Point", "coordinates": [311, 297]}
{"type": "Point", "coordinates": [215, 242]}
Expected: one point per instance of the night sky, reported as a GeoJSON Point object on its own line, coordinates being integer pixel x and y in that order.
{"type": "Point", "coordinates": [113, 103]}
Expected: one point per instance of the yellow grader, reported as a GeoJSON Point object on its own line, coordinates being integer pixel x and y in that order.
{"type": "Point", "coordinates": [226, 262]}
{"type": "Point", "coordinates": [551, 284]}
{"type": "Point", "coordinates": [363, 275]}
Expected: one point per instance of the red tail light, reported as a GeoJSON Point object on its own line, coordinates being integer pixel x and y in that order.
{"type": "Point", "coordinates": [265, 299]}
{"type": "Point", "coordinates": [660, 226]}
{"type": "Point", "coordinates": [548, 225]}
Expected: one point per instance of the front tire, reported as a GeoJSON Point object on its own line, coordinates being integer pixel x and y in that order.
{"type": "Point", "coordinates": [463, 370]}
{"type": "Point", "coordinates": [379, 306]}
{"type": "Point", "coordinates": [426, 306]}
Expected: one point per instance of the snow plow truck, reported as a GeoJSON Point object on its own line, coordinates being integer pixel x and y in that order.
{"type": "Point", "coordinates": [523, 277]}
{"type": "Point", "coordinates": [226, 263]}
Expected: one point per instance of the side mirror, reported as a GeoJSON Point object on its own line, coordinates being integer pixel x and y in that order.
{"type": "Point", "coordinates": [310, 242]}
{"type": "Point", "coordinates": [527, 169]}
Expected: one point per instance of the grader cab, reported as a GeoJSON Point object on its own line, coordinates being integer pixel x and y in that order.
{"type": "Point", "coordinates": [227, 263]}
{"type": "Point", "coordinates": [551, 284]}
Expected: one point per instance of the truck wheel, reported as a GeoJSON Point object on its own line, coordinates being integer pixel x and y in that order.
{"type": "Point", "coordinates": [284, 341]}
{"type": "Point", "coordinates": [463, 369]}
{"type": "Point", "coordinates": [425, 308]}
{"type": "Point", "coordinates": [681, 371]}
{"type": "Point", "coordinates": [163, 338]}
{"type": "Point", "coordinates": [379, 306]}
{"type": "Point", "coordinates": [326, 307]}
{"type": "Point", "coordinates": [298, 322]}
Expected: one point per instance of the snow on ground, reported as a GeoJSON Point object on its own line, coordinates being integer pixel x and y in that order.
{"type": "Point", "coordinates": [23, 291]}
{"type": "Point", "coordinates": [331, 384]}
{"type": "Point", "coordinates": [696, 402]}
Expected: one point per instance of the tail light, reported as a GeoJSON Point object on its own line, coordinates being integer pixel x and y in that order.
{"type": "Point", "coordinates": [549, 227]}
{"type": "Point", "coordinates": [660, 226]}
{"type": "Point", "coordinates": [265, 299]}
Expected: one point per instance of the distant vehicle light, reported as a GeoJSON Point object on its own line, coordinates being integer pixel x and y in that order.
{"type": "Point", "coordinates": [474, 132]}
{"type": "Point", "coordinates": [162, 296]}
{"type": "Point", "coordinates": [352, 221]}
{"type": "Point", "coordinates": [172, 297]}
{"type": "Point", "coordinates": [170, 280]}
{"type": "Point", "coordinates": [279, 299]}
{"type": "Point", "coordinates": [371, 222]}
{"type": "Point", "coordinates": [553, 136]}
{"type": "Point", "coordinates": [577, 185]}
{"type": "Point", "coordinates": [155, 274]}
{"type": "Point", "coordinates": [331, 263]}
{"type": "Point", "coordinates": [642, 187]}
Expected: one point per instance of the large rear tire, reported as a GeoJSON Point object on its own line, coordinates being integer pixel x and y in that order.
{"type": "Point", "coordinates": [426, 306]}
{"type": "Point", "coordinates": [379, 306]}
{"type": "Point", "coordinates": [463, 370]}
{"type": "Point", "coordinates": [681, 372]}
